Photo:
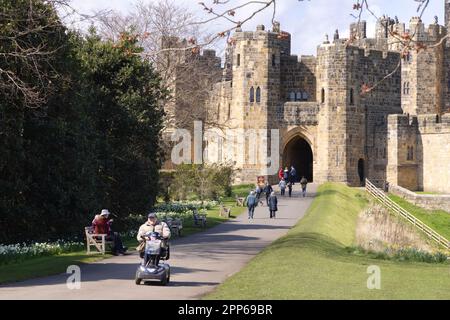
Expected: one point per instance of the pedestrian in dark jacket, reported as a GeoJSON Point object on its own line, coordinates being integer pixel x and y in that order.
{"type": "Point", "coordinates": [293, 174]}
{"type": "Point", "coordinates": [273, 205]}
{"type": "Point", "coordinates": [286, 174]}
{"type": "Point", "coordinates": [251, 204]}
{"type": "Point", "coordinates": [290, 189]}
{"type": "Point", "coordinates": [304, 183]}
{"type": "Point", "coordinates": [268, 191]}
{"type": "Point", "coordinates": [259, 191]}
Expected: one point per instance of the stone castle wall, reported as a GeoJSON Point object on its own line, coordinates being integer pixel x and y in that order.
{"type": "Point", "coordinates": [434, 149]}
{"type": "Point", "coordinates": [419, 152]}
{"type": "Point", "coordinates": [426, 201]}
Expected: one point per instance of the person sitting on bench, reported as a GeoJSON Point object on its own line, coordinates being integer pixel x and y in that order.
{"type": "Point", "coordinates": [102, 225]}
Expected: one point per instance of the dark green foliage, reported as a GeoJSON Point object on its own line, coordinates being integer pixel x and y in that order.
{"type": "Point", "coordinates": [93, 142]}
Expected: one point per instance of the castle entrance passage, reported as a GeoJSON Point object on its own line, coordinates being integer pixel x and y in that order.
{"type": "Point", "coordinates": [298, 153]}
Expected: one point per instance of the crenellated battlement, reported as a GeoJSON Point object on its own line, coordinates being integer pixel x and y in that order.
{"type": "Point", "coordinates": [418, 31]}
{"type": "Point", "coordinates": [403, 121]}
{"type": "Point", "coordinates": [430, 123]}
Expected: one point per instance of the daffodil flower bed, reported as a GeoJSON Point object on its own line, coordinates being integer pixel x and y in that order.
{"type": "Point", "coordinates": [18, 252]}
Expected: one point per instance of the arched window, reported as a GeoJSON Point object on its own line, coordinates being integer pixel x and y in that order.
{"type": "Point", "coordinates": [252, 94]}
{"type": "Point", "coordinates": [258, 95]}
{"type": "Point", "coordinates": [274, 61]}
{"type": "Point", "coordinates": [323, 95]}
{"type": "Point", "coordinates": [218, 112]}
{"type": "Point", "coordinates": [438, 119]}
{"type": "Point", "coordinates": [229, 111]}
{"type": "Point", "coordinates": [352, 98]}
{"type": "Point", "coordinates": [410, 155]}
{"type": "Point", "coordinates": [406, 88]}
{"type": "Point", "coordinates": [298, 96]}
{"type": "Point", "coordinates": [238, 60]}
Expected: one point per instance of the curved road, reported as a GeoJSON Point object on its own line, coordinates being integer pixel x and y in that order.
{"type": "Point", "coordinates": [199, 262]}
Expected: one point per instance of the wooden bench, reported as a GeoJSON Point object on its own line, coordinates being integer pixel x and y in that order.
{"type": "Point", "coordinates": [224, 211]}
{"type": "Point", "coordinates": [175, 226]}
{"type": "Point", "coordinates": [240, 201]}
{"type": "Point", "coordinates": [199, 219]}
{"type": "Point", "coordinates": [96, 240]}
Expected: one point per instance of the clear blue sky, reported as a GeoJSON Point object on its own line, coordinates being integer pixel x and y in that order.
{"type": "Point", "coordinates": [307, 21]}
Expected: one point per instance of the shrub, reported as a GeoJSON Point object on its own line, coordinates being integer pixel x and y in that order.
{"type": "Point", "coordinates": [202, 181]}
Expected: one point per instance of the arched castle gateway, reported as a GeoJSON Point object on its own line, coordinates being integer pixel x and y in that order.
{"type": "Point", "coordinates": [398, 132]}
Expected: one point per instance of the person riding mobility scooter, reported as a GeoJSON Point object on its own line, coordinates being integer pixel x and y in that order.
{"type": "Point", "coordinates": [154, 237]}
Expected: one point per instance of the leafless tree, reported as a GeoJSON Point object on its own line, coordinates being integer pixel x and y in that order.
{"type": "Point", "coordinates": [23, 42]}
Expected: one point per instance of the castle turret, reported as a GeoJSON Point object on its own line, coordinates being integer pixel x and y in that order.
{"type": "Point", "coordinates": [358, 30]}
{"type": "Point", "coordinates": [447, 18]}
{"type": "Point", "coordinates": [423, 89]}
{"type": "Point", "coordinates": [350, 110]}
{"type": "Point", "coordinates": [447, 59]}
{"type": "Point", "coordinates": [256, 83]}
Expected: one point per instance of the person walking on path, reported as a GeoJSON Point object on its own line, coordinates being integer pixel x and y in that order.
{"type": "Point", "coordinates": [268, 191]}
{"type": "Point", "coordinates": [251, 204]}
{"type": "Point", "coordinates": [293, 174]}
{"type": "Point", "coordinates": [273, 205]}
{"type": "Point", "coordinates": [289, 185]}
{"type": "Point", "coordinates": [304, 183]}
{"type": "Point", "coordinates": [280, 174]}
{"type": "Point", "coordinates": [259, 191]}
{"type": "Point", "coordinates": [282, 185]}
{"type": "Point", "coordinates": [286, 174]}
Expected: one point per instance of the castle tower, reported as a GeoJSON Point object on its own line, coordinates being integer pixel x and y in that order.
{"type": "Point", "coordinates": [422, 71]}
{"type": "Point", "coordinates": [447, 18]}
{"type": "Point", "coordinates": [341, 128]}
{"type": "Point", "coordinates": [358, 30]}
{"type": "Point", "coordinates": [256, 86]}
{"type": "Point", "coordinates": [446, 107]}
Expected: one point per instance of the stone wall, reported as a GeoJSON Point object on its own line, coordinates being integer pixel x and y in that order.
{"type": "Point", "coordinates": [298, 80]}
{"type": "Point", "coordinates": [419, 152]}
{"type": "Point", "coordinates": [434, 149]}
{"type": "Point", "coordinates": [402, 169]}
{"type": "Point", "coordinates": [429, 202]}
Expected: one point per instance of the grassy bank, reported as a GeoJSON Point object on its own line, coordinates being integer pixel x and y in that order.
{"type": "Point", "coordinates": [438, 220]}
{"type": "Point", "coordinates": [312, 262]}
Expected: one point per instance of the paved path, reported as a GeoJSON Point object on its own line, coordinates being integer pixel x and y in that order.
{"type": "Point", "coordinates": [199, 262]}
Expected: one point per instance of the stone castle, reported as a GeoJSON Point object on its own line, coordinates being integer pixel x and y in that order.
{"type": "Point", "coordinates": [362, 108]}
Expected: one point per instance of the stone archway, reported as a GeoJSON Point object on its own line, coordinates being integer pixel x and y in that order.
{"type": "Point", "coordinates": [298, 153]}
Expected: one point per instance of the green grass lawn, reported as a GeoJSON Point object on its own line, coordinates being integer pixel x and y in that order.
{"type": "Point", "coordinates": [44, 266]}
{"type": "Point", "coordinates": [50, 265]}
{"type": "Point", "coordinates": [438, 220]}
{"type": "Point", "coordinates": [311, 261]}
